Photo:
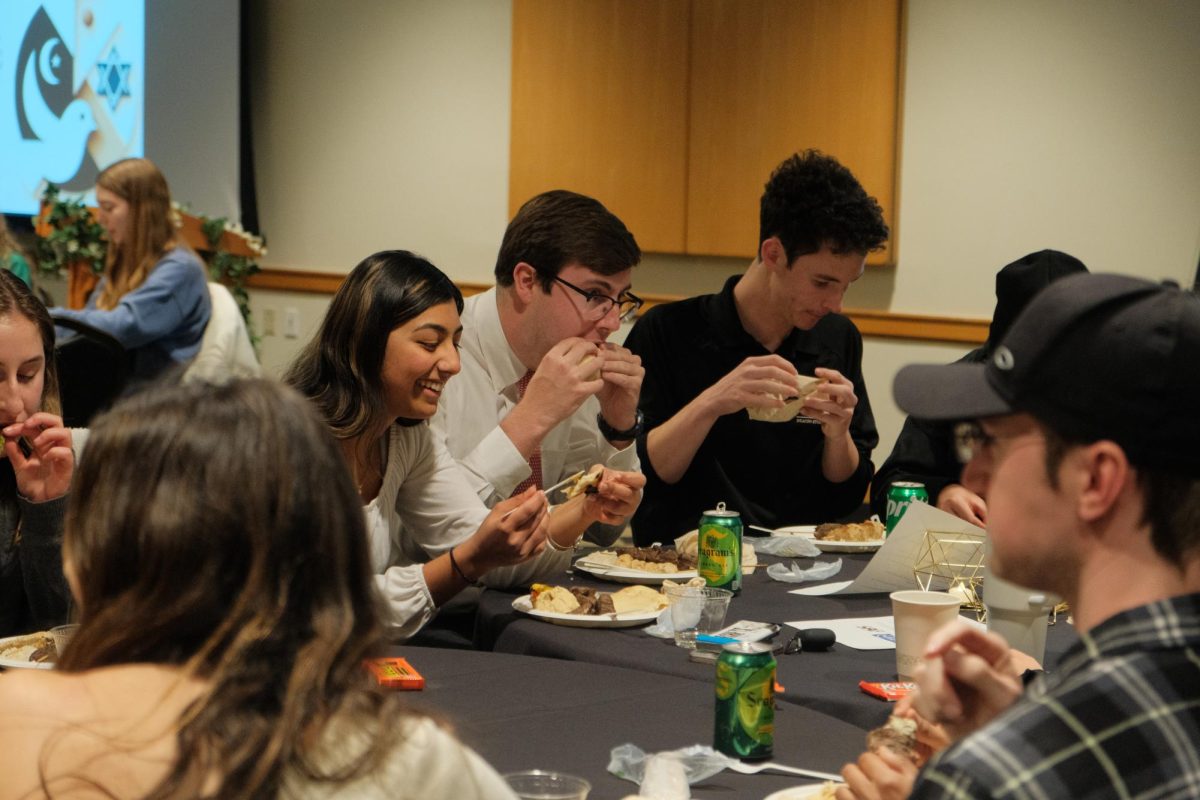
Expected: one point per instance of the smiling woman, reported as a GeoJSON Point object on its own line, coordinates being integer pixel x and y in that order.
{"type": "Point", "coordinates": [376, 371]}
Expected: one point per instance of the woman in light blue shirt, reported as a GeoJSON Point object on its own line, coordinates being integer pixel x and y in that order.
{"type": "Point", "coordinates": [153, 297]}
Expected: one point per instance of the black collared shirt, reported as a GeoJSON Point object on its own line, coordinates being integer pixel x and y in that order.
{"type": "Point", "coordinates": [769, 472]}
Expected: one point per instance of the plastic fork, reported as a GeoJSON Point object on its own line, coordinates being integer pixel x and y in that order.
{"type": "Point", "coordinates": [751, 769]}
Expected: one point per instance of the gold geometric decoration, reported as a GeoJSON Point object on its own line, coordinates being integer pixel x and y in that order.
{"type": "Point", "coordinates": [950, 561]}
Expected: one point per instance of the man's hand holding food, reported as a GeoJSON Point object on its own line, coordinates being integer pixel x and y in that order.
{"type": "Point", "coordinates": [622, 373]}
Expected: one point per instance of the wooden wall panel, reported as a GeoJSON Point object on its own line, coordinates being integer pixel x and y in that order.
{"type": "Point", "coordinates": [599, 106]}
{"type": "Point", "coordinates": [771, 77]}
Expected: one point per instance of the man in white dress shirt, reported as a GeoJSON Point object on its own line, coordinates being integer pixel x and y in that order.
{"type": "Point", "coordinates": [542, 394]}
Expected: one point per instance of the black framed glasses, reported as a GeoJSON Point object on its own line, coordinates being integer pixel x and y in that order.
{"type": "Point", "coordinates": [969, 439]}
{"type": "Point", "coordinates": [597, 305]}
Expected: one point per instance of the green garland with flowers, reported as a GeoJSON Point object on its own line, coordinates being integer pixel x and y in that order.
{"type": "Point", "coordinates": [74, 235]}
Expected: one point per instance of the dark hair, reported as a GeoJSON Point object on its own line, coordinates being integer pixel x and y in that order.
{"type": "Point", "coordinates": [340, 370]}
{"type": "Point", "coordinates": [557, 228]}
{"type": "Point", "coordinates": [1170, 500]}
{"type": "Point", "coordinates": [16, 298]}
{"type": "Point", "coordinates": [811, 201]}
{"type": "Point", "coordinates": [215, 528]}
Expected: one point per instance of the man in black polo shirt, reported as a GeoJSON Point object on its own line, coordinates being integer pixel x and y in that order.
{"type": "Point", "coordinates": [710, 358]}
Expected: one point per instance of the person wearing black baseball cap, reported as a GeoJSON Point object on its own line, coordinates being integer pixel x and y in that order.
{"type": "Point", "coordinates": [1083, 433]}
{"type": "Point", "coordinates": [924, 450]}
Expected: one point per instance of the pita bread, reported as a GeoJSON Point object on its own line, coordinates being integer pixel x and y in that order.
{"type": "Point", "coordinates": [556, 599]}
{"type": "Point", "coordinates": [638, 598]}
{"type": "Point", "coordinates": [805, 385]}
{"type": "Point", "coordinates": [586, 483]}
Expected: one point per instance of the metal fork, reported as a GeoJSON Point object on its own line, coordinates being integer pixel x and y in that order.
{"type": "Point", "coordinates": [751, 769]}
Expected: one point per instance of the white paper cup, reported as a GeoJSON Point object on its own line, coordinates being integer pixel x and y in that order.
{"type": "Point", "coordinates": [696, 609]}
{"type": "Point", "coordinates": [536, 784]}
{"type": "Point", "coordinates": [61, 635]}
{"type": "Point", "coordinates": [1017, 614]}
{"type": "Point", "coordinates": [918, 614]}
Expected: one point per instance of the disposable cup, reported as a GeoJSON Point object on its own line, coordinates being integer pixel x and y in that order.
{"type": "Point", "coordinates": [918, 614]}
{"type": "Point", "coordinates": [696, 609]}
{"type": "Point", "coordinates": [536, 784]}
{"type": "Point", "coordinates": [61, 635]}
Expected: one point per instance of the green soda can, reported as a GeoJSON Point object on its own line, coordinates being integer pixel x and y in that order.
{"type": "Point", "coordinates": [900, 496]}
{"type": "Point", "coordinates": [745, 712]}
{"type": "Point", "coordinates": [720, 549]}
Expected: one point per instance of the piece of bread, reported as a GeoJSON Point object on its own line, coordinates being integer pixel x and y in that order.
{"type": "Point", "coordinates": [555, 599]}
{"type": "Point", "coordinates": [805, 385]}
{"type": "Point", "coordinates": [586, 483]}
{"type": "Point", "coordinates": [637, 599]}
{"type": "Point", "coordinates": [868, 531]}
{"type": "Point", "coordinates": [898, 735]}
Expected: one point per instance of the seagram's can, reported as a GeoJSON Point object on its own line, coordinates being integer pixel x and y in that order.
{"type": "Point", "coordinates": [719, 560]}
{"type": "Point", "coordinates": [900, 496]}
{"type": "Point", "coordinates": [744, 725]}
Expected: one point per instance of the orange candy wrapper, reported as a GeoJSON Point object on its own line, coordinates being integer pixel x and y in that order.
{"type": "Point", "coordinates": [890, 692]}
{"type": "Point", "coordinates": [395, 673]}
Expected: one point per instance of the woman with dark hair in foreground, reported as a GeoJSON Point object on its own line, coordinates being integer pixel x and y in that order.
{"type": "Point", "coordinates": [215, 547]}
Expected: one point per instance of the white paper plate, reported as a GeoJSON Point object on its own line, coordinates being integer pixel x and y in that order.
{"type": "Point", "coordinates": [627, 620]}
{"type": "Point", "coordinates": [20, 663]}
{"type": "Point", "coordinates": [798, 793]}
{"type": "Point", "coordinates": [626, 575]}
{"type": "Point", "coordinates": [829, 545]}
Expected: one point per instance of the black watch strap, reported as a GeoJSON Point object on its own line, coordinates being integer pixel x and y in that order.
{"type": "Point", "coordinates": [614, 435]}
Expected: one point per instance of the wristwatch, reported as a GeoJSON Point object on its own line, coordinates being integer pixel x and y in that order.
{"type": "Point", "coordinates": [614, 435]}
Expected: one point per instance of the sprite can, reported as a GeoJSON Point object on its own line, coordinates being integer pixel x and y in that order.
{"type": "Point", "coordinates": [745, 713]}
{"type": "Point", "coordinates": [900, 496]}
{"type": "Point", "coordinates": [719, 560]}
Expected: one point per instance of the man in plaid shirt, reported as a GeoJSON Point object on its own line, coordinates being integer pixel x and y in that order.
{"type": "Point", "coordinates": [1086, 443]}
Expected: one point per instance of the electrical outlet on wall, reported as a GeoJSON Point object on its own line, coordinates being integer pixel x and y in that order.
{"type": "Point", "coordinates": [291, 323]}
{"type": "Point", "coordinates": [268, 322]}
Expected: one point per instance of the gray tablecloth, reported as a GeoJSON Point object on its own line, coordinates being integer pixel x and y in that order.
{"type": "Point", "coordinates": [820, 681]}
{"type": "Point", "coordinates": [522, 713]}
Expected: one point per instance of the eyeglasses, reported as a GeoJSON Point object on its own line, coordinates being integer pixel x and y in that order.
{"type": "Point", "coordinates": [970, 439]}
{"type": "Point", "coordinates": [597, 305]}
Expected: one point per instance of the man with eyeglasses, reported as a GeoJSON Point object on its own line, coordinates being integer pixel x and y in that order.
{"type": "Point", "coordinates": [710, 358]}
{"type": "Point", "coordinates": [1083, 436]}
{"type": "Point", "coordinates": [542, 393]}
{"type": "Point", "coordinates": [923, 450]}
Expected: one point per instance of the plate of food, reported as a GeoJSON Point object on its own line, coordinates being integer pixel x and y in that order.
{"type": "Point", "coordinates": [584, 607]}
{"type": "Point", "coordinates": [30, 651]}
{"type": "Point", "coordinates": [833, 537]}
{"type": "Point", "coordinates": [824, 791]}
{"type": "Point", "coordinates": [639, 565]}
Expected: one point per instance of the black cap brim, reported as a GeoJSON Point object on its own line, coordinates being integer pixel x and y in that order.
{"type": "Point", "coordinates": [947, 392]}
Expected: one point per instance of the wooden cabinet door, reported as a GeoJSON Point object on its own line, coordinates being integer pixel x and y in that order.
{"type": "Point", "coordinates": [771, 77]}
{"type": "Point", "coordinates": [599, 106]}
{"type": "Point", "coordinates": [673, 112]}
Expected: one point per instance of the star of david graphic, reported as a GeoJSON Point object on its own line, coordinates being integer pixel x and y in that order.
{"type": "Point", "coordinates": [112, 78]}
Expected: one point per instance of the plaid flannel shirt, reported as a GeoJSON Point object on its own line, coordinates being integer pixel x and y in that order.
{"type": "Point", "coordinates": [1119, 717]}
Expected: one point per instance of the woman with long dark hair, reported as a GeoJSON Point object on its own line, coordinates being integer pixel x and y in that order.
{"type": "Point", "coordinates": [376, 370]}
{"type": "Point", "coordinates": [153, 297]}
{"type": "Point", "coordinates": [36, 468]}
{"type": "Point", "coordinates": [216, 549]}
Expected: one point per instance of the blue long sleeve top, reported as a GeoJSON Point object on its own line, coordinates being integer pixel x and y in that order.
{"type": "Point", "coordinates": [160, 322]}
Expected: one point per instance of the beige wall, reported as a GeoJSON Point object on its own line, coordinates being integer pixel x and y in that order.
{"type": "Point", "coordinates": [1026, 124]}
